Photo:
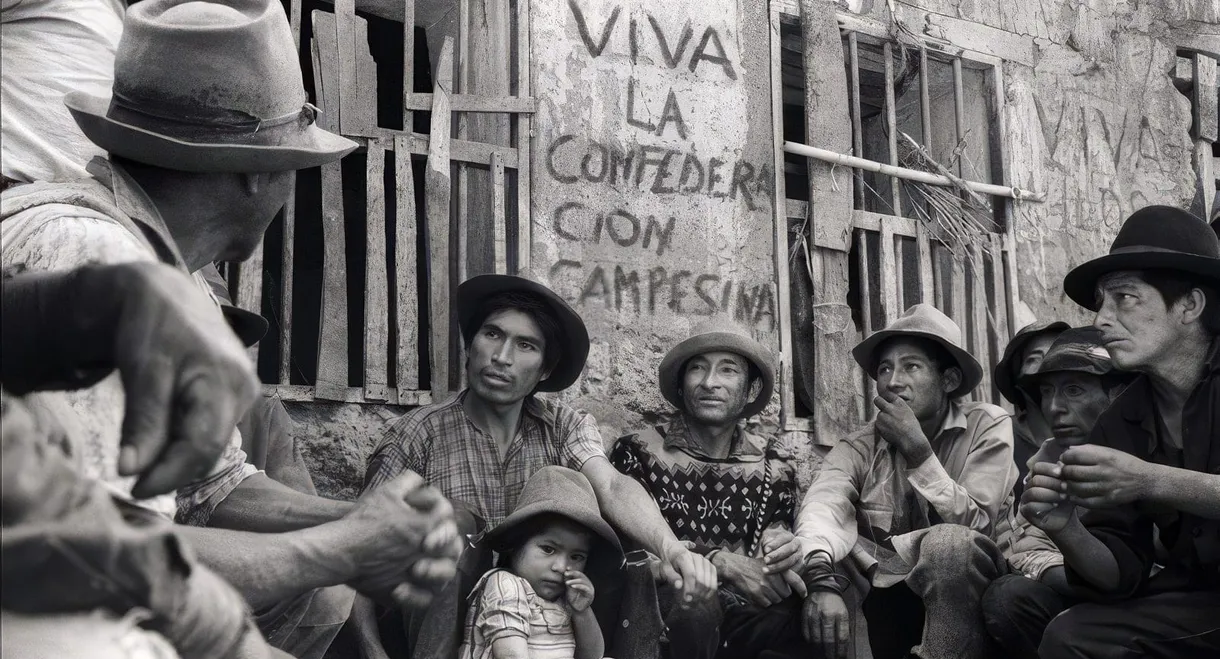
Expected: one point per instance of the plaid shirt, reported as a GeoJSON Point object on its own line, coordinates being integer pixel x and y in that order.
{"type": "Point", "coordinates": [440, 443]}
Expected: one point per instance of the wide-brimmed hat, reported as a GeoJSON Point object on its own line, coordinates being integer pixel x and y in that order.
{"type": "Point", "coordinates": [717, 336]}
{"type": "Point", "coordinates": [1155, 237]}
{"type": "Point", "coordinates": [1077, 349]}
{"type": "Point", "coordinates": [1003, 376]}
{"type": "Point", "coordinates": [208, 86]}
{"type": "Point", "coordinates": [249, 327]}
{"type": "Point", "coordinates": [556, 491]}
{"type": "Point", "coordinates": [928, 322]}
{"type": "Point", "coordinates": [574, 349]}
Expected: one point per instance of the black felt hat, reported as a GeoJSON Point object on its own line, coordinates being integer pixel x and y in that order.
{"type": "Point", "coordinates": [1155, 237]}
{"type": "Point", "coordinates": [1003, 375]}
{"type": "Point", "coordinates": [572, 333]}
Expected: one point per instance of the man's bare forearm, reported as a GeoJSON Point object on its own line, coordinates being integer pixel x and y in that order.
{"type": "Point", "coordinates": [1086, 555]}
{"type": "Point", "coordinates": [1192, 492]}
{"type": "Point", "coordinates": [589, 641]}
{"type": "Point", "coordinates": [267, 568]}
{"type": "Point", "coordinates": [261, 505]}
{"type": "Point", "coordinates": [629, 507]}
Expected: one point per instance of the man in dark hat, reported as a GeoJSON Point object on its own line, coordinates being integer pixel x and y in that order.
{"type": "Point", "coordinates": [729, 492]}
{"type": "Point", "coordinates": [1074, 384]}
{"type": "Point", "coordinates": [1150, 474]}
{"type": "Point", "coordinates": [481, 446]}
{"type": "Point", "coordinates": [1021, 357]}
{"type": "Point", "coordinates": [896, 529]}
{"type": "Point", "coordinates": [207, 119]}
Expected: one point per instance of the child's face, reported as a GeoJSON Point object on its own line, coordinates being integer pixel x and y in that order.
{"type": "Point", "coordinates": [544, 558]}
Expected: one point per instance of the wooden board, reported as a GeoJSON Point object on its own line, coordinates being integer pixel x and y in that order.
{"type": "Point", "coordinates": [376, 281]}
{"type": "Point", "coordinates": [437, 187]}
{"type": "Point", "coordinates": [332, 339]}
{"type": "Point", "coordinates": [482, 103]}
{"type": "Point", "coordinates": [922, 245]}
{"type": "Point", "coordinates": [857, 124]}
{"type": "Point", "coordinates": [287, 277]}
{"type": "Point", "coordinates": [499, 226]}
{"type": "Point", "coordinates": [786, 384]}
{"type": "Point", "coordinates": [864, 269]}
{"type": "Point", "coordinates": [978, 321]}
{"type": "Point", "coordinates": [406, 352]}
{"type": "Point", "coordinates": [349, 87]}
{"type": "Point", "coordinates": [888, 268]}
{"type": "Point", "coordinates": [891, 122]}
{"type": "Point", "coordinates": [1203, 99]}
{"type": "Point", "coordinates": [525, 133]}
{"type": "Point", "coordinates": [307, 394]}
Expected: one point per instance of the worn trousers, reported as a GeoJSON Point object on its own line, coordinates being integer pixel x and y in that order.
{"type": "Point", "coordinates": [1169, 625]}
{"type": "Point", "coordinates": [727, 628]}
{"type": "Point", "coordinates": [1017, 609]}
{"type": "Point", "coordinates": [306, 626]}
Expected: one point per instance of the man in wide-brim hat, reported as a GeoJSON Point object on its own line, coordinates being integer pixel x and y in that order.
{"type": "Point", "coordinates": [480, 447]}
{"type": "Point", "coordinates": [206, 121]}
{"type": "Point", "coordinates": [1152, 465]}
{"type": "Point", "coordinates": [899, 521]}
{"type": "Point", "coordinates": [717, 378]}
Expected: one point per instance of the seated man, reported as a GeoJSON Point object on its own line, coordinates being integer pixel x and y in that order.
{"type": "Point", "coordinates": [1021, 357]}
{"type": "Point", "coordinates": [1150, 474]}
{"type": "Point", "coordinates": [1074, 384]}
{"type": "Point", "coordinates": [729, 492]}
{"type": "Point", "coordinates": [481, 446]}
{"type": "Point", "coordinates": [900, 517]}
{"type": "Point", "coordinates": [189, 182]}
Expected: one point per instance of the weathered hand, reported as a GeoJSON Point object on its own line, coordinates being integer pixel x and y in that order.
{"type": "Point", "coordinates": [1044, 502]}
{"type": "Point", "coordinates": [897, 425]}
{"type": "Point", "coordinates": [578, 595]}
{"type": "Point", "coordinates": [781, 550]}
{"type": "Point", "coordinates": [826, 622]}
{"type": "Point", "coordinates": [691, 575]}
{"type": "Point", "coordinates": [748, 576]}
{"type": "Point", "coordinates": [1101, 477]}
{"type": "Point", "coordinates": [186, 377]}
{"type": "Point", "coordinates": [403, 540]}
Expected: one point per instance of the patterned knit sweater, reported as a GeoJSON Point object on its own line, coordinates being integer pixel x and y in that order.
{"type": "Point", "coordinates": [715, 503]}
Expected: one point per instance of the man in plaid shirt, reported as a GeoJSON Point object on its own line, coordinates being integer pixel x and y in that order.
{"type": "Point", "coordinates": [481, 446]}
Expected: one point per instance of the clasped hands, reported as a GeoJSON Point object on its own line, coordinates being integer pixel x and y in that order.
{"type": "Point", "coordinates": [1088, 475]}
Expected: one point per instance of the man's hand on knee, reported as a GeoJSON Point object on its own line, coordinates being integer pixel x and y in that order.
{"type": "Point", "coordinates": [826, 622]}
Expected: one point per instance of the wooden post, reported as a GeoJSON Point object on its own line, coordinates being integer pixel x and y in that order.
{"type": "Point", "coordinates": [437, 187]}
{"type": "Point", "coordinates": [1204, 126]}
{"type": "Point", "coordinates": [525, 133]}
{"type": "Point", "coordinates": [406, 263]}
{"type": "Point", "coordinates": [376, 281]}
{"type": "Point", "coordinates": [499, 228]}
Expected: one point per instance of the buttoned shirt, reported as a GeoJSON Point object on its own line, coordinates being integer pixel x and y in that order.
{"type": "Point", "coordinates": [1132, 424]}
{"type": "Point", "coordinates": [442, 444]}
{"type": "Point", "coordinates": [867, 503]}
{"type": "Point", "coordinates": [63, 236]}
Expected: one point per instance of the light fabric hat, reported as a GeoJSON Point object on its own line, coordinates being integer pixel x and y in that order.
{"type": "Point", "coordinates": [1078, 349]}
{"type": "Point", "coordinates": [574, 336]}
{"type": "Point", "coordinates": [1155, 237]}
{"type": "Point", "coordinates": [208, 86]}
{"type": "Point", "coordinates": [928, 322]}
{"type": "Point", "coordinates": [1003, 375]}
{"type": "Point", "coordinates": [558, 491]}
{"type": "Point", "coordinates": [717, 336]}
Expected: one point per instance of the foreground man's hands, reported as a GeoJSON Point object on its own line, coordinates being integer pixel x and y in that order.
{"type": "Point", "coordinates": [691, 575]}
{"type": "Point", "coordinates": [826, 623]}
{"type": "Point", "coordinates": [750, 577]}
{"type": "Point", "coordinates": [403, 540]}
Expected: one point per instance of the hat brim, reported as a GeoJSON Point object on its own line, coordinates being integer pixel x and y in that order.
{"type": "Point", "coordinates": [249, 327]}
{"type": "Point", "coordinates": [1002, 376]}
{"type": "Point", "coordinates": [572, 331]}
{"type": "Point", "coordinates": [1080, 284]}
{"type": "Point", "coordinates": [1029, 382]}
{"type": "Point", "coordinates": [972, 371]}
{"type": "Point", "coordinates": [313, 146]}
{"type": "Point", "coordinates": [497, 537]}
{"type": "Point", "coordinates": [670, 371]}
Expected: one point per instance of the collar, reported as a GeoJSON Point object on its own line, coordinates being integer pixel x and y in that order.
{"type": "Point", "coordinates": [955, 419]}
{"type": "Point", "coordinates": [531, 407]}
{"type": "Point", "coordinates": [745, 445]}
{"type": "Point", "coordinates": [1136, 400]}
{"type": "Point", "coordinates": [130, 198]}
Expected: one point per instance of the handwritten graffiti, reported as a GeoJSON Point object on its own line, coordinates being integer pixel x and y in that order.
{"type": "Point", "coordinates": [657, 289]}
{"type": "Point", "coordinates": [656, 169]}
{"type": "Point", "coordinates": [574, 221]}
{"type": "Point", "coordinates": [710, 48]}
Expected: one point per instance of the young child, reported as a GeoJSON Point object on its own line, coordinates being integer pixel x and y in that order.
{"type": "Point", "coordinates": [536, 603]}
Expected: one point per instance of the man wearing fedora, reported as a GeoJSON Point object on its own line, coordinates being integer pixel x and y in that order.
{"type": "Point", "coordinates": [729, 492]}
{"type": "Point", "coordinates": [1021, 357]}
{"type": "Point", "coordinates": [481, 446]}
{"type": "Point", "coordinates": [1150, 475]}
{"type": "Point", "coordinates": [1073, 385]}
{"type": "Point", "coordinates": [899, 521]}
{"type": "Point", "coordinates": [207, 119]}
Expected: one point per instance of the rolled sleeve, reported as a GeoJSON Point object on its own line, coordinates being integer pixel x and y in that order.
{"type": "Point", "coordinates": [582, 439]}
{"type": "Point", "coordinates": [504, 609]}
{"type": "Point", "coordinates": [198, 500]}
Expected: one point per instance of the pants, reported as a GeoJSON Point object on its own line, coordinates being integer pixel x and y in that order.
{"type": "Point", "coordinates": [1171, 625]}
{"type": "Point", "coordinates": [305, 626]}
{"type": "Point", "coordinates": [1017, 609]}
{"type": "Point", "coordinates": [723, 628]}
{"type": "Point", "coordinates": [953, 567]}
